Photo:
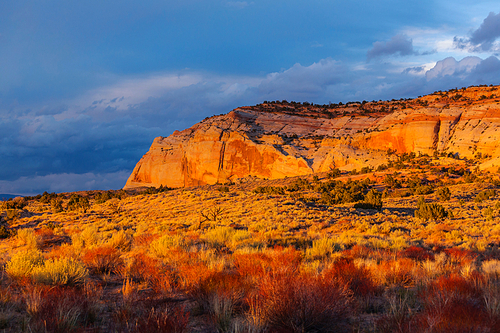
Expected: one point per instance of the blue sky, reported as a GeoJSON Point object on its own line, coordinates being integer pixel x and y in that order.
{"type": "Point", "coordinates": [85, 86]}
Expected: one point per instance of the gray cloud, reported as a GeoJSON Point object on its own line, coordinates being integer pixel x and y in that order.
{"type": "Point", "coordinates": [483, 38]}
{"type": "Point", "coordinates": [97, 141]}
{"type": "Point", "coordinates": [416, 70]}
{"type": "Point", "coordinates": [65, 182]}
{"type": "Point", "coordinates": [399, 44]}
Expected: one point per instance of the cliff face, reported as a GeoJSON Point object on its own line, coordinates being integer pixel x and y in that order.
{"type": "Point", "coordinates": [275, 140]}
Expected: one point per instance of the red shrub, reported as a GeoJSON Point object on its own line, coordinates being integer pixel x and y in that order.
{"type": "Point", "coordinates": [146, 316]}
{"type": "Point", "coordinates": [358, 279]}
{"type": "Point", "coordinates": [57, 309]}
{"type": "Point", "coordinates": [222, 285]}
{"type": "Point", "coordinates": [359, 251]}
{"type": "Point", "coordinates": [146, 269]}
{"type": "Point", "coordinates": [169, 319]}
{"type": "Point", "coordinates": [417, 253]}
{"type": "Point", "coordinates": [144, 240]}
{"type": "Point", "coordinates": [258, 264]}
{"type": "Point", "coordinates": [104, 259]}
{"type": "Point", "coordinates": [301, 303]}
{"type": "Point", "coordinates": [461, 256]}
{"type": "Point", "coordinates": [397, 272]}
{"type": "Point", "coordinates": [457, 285]}
{"type": "Point", "coordinates": [453, 304]}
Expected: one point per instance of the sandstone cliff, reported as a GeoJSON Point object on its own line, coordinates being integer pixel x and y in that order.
{"type": "Point", "coordinates": [279, 139]}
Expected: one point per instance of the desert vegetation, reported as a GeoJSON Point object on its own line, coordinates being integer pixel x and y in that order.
{"type": "Point", "coordinates": [410, 247]}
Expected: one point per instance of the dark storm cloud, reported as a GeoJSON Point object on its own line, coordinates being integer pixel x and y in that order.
{"type": "Point", "coordinates": [84, 146]}
{"type": "Point", "coordinates": [399, 44]}
{"type": "Point", "coordinates": [483, 38]}
{"type": "Point", "coordinates": [418, 69]}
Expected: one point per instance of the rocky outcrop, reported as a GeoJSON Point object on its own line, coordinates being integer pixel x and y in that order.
{"type": "Point", "coordinates": [280, 139]}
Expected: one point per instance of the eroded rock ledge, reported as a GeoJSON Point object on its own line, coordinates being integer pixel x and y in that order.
{"type": "Point", "coordinates": [280, 139]}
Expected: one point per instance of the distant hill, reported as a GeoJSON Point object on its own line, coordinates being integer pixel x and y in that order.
{"type": "Point", "coordinates": [284, 139]}
{"type": "Point", "coordinates": [8, 196]}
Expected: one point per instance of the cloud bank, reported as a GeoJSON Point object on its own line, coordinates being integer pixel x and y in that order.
{"type": "Point", "coordinates": [399, 44]}
{"type": "Point", "coordinates": [95, 140]}
{"type": "Point", "coordinates": [483, 38]}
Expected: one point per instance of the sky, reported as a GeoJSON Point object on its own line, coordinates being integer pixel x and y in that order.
{"type": "Point", "coordinates": [85, 86]}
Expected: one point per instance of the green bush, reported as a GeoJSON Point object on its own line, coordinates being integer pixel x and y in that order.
{"type": "Point", "coordinates": [430, 211]}
{"type": "Point", "coordinates": [299, 184]}
{"type": "Point", "coordinates": [56, 205]}
{"type": "Point", "coordinates": [337, 192]}
{"type": "Point", "coordinates": [423, 189]}
{"type": "Point", "coordinates": [485, 195]}
{"type": "Point", "coordinates": [373, 200]}
{"type": "Point", "coordinates": [5, 232]}
{"type": "Point", "coordinates": [77, 202]}
{"type": "Point", "coordinates": [273, 190]}
{"type": "Point", "coordinates": [392, 181]}
{"type": "Point", "coordinates": [333, 173]}
{"type": "Point", "coordinates": [155, 190]}
{"type": "Point", "coordinates": [444, 193]}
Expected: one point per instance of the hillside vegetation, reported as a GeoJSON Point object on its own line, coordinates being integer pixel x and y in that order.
{"type": "Point", "coordinates": [410, 247]}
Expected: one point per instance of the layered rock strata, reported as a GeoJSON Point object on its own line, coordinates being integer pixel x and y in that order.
{"type": "Point", "coordinates": [280, 139]}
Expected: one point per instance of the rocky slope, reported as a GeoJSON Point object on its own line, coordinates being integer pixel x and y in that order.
{"type": "Point", "coordinates": [280, 139]}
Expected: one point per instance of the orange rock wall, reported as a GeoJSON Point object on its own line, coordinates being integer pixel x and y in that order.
{"type": "Point", "coordinates": [248, 142]}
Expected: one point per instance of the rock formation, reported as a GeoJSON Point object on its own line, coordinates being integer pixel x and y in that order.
{"type": "Point", "coordinates": [280, 139]}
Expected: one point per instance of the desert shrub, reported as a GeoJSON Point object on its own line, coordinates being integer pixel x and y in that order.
{"type": "Point", "coordinates": [272, 190]}
{"type": "Point", "coordinates": [337, 192]}
{"type": "Point", "coordinates": [454, 304]}
{"type": "Point", "coordinates": [103, 260]}
{"type": "Point", "coordinates": [160, 247]}
{"type": "Point", "coordinates": [121, 240]}
{"type": "Point", "coordinates": [301, 303]}
{"type": "Point", "coordinates": [150, 316]}
{"type": "Point", "coordinates": [396, 273]}
{"type": "Point", "coordinates": [333, 173]}
{"type": "Point", "coordinates": [59, 310]}
{"type": "Point", "coordinates": [5, 232]}
{"type": "Point", "coordinates": [143, 268]}
{"type": "Point", "coordinates": [102, 197]}
{"type": "Point", "coordinates": [299, 184]}
{"type": "Point", "coordinates": [417, 253]}
{"type": "Point", "coordinates": [56, 205]}
{"type": "Point", "coordinates": [279, 260]}
{"type": "Point", "coordinates": [491, 268]}
{"type": "Point", "coordinates": [221, 295]}
{"type": "Point", "coordinates": [225, 236]}
{"type": "Point", "coordinates": [14, 204]}
{"type": "Point", "coordinates": [46, 197]}
{"type": "Point", "coordinates": [88, 238]}
{"type": "Point", "coordinates": [27, 237]}
{"type": "Point", "coordinates": [444, 193]}
{"type": "Point", "coordinates": [167, 319]}
{"type": "Point", "coordinates": [60, 271]}
{"type": "Point", "coordinates": [392, 181]}
{"type": "Point", "coordinates": [155, 190]}
{"type": "Point", "coordinates": [357, 278]}
{"type": "Point", "coordinates": [485, 195]}
{"type": "Point", "coordinates": [322, 248]}
{"type": "Point", "coordinates": [423, 189]}
{"type": "Point", "coordinates": [11, 215]}
{"type": "Point", "coordinates": [399, 315]}
{"type": "Point", "coordinates": [78, 202]}
{"type": "Point", "coordinates": [430, 211]}
{"type": "Point", "coordinates": [22, 263]}
{"type": "Point", "coordinates": [373, 200]}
